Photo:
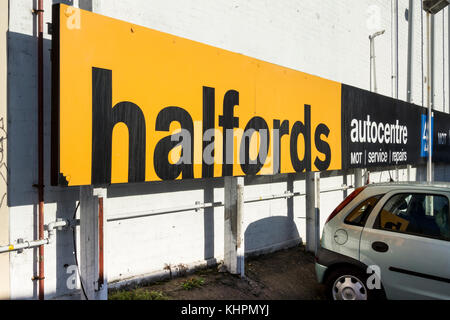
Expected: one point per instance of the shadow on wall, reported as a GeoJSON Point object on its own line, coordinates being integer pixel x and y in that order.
{"type": "Point", "coordinates": [264, 233]}
{"type": "Point", "coordinates": [22, 154]}
{"type": "Point", "coordinates": [421, 173]}
{"type": "Point", "coordinates": [441, 173]}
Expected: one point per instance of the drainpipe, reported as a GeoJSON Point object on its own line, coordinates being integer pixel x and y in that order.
{"type": "Point", "coordinates": [101, 268]}
{"type": "Point", "coordinates": [396, 47]}
{"type": "Point", "coordinates": [373, 74]}
{"type": "Point", "coordinates": [431, 57]}
{"type": "Point", "coordinates": [410, 44]}
{"type": "Point", "coordinates": [409, 71]}
{"type": "Point", "coordinates": [421, 51]}
{"type": "Point", "coordinates": [372, 60]}
{"type": "Point", "coordinates": [395, 19]}
{"type": "Point", "coordinates": [443, 61]}
{"type": "Point", "coordinates": [430, 99]}
{"type": "Point", "coordinates": [40, 185]}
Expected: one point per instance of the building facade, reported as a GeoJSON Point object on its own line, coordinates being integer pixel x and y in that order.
{"type": "Point", "coordinates": [330, 40]}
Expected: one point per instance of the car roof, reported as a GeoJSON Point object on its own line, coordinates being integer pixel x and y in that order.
{"type": "Point", "coordinates": [436, 186]}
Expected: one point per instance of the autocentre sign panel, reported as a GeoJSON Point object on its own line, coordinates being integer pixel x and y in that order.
{"type": "Point", "coordinates": [131, 104]}
{"type": "Point", "coordinates": [379, 131]}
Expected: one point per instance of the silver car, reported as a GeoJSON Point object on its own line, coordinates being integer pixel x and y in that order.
{"type": "Point", "coordinates": [388, 241]}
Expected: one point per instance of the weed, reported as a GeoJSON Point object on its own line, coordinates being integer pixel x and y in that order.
{"type": "Point", "coordinates": [192, 283]}
{"type": "Point", "coordinates": [138, 294]}
{"type": "Point", "coordinates": [182, 270]}
{"type": "Point", "coordinates": [168, 267]}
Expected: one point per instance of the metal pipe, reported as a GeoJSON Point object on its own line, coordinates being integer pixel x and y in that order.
{"type": "Point", "coordinates": [443, 61]}
{"type": "Point", "coordinates": [41, 143]}
{"type": "Point", "coordinates": [100, 243]}
{"type": "Point", "coordinates": [409, 67]}
{"type": "Point", "coordinates": [396, 68]}
{"type": "Point", "coordinates": [430, 99]}
{"type": "Point", "coordinates": [147, 213]}
{"type": "Point", "coordinates": [337, 189]}
{"type": "Point", "coordinates": [374, 72]}
{"type": "Point", "coordinates": [410, 46]}
{"type": "Point", "coordinates": [358, 172]}
{"type": "Point", "coordinates": [372, 58]}
{"type": "Point", "coordinates": [199, 206]}
{"type": "Point", "coordinates": [396, 49]}
{"type": "Point", "coordinates": [370, 63]}
{"type": "Point", "coordinates": [432, 61]}
{"type": "Point", "coordinates": [421, 48]}
{"type": "Point", "coordinates": [285, 195]}
{"type": "Point", "coordinates": [24, 245]}
{"type": "Point", "coordinates": [37, 243]}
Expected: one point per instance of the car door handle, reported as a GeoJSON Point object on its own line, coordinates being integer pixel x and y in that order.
{"type": "Point", "coordinates": [380, 246]}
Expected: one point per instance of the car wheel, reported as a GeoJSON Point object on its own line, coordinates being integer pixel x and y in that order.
{"type": "Point", "coordinates": [350, 284]}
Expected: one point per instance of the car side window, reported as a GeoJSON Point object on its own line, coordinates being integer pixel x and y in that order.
{"type": "Point", "coordinates": [358, 216]}
{"type": "Point", "coordinates": [416, 213]}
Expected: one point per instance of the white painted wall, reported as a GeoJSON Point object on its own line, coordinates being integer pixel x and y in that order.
{"type": "Point", "coordinates": [4, 211]}
{"type": "Point", "coordinates": [328, 39]}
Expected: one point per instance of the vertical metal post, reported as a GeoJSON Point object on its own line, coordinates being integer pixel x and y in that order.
{"type": "Point", "coordinates": [370, 68]}
{"type": "Point", "coordinates": [431, 48]}
{"type": "Point", "coordinates": [312, 211]}
{"type": "Point", "coordinates": [396, 49]}
{"type": "Point", "coordinates": [234, 241]}
{"type": "Point", "coordinates": [102, 280]}
{"type": "Point", "coordinates": [317, 211]}
{"type": "Point", "coordinates": [410, 46]}
{"type": "Point", "coordinates": [40, 186]}
{"type": "Point", "coordinates": [100, 243]}
{"type": "Point", "coordinates": [443, 61]}
{"type": "Point", "coordinates": [91, 255]}
{"type": "Point", "coordinates": [373, 68]}
{"type": "Point", "coordinates": [421, 49]}
{"type": "Point", "coordinates": [396, 63]}
{"type": "Point", "coordinates": [240, 227]}
{"type": "Point", "coordinates": [358, 172]}
{"type": "Point", "coordinates": [345, 182]}
{"type": "Point", "coordinates": [410, 65]}
{"type": "Point", "coordinates": [366, 177]}
{"type": "Point", "coordinates": [430, 89]}
{"type": "Point", "coordinates": [88, 243]}
{"type": "Point", "coordinates": [358, 178]}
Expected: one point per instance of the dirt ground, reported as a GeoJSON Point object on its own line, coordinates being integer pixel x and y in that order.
{"type": "Point", "coordinates": [287, 274]}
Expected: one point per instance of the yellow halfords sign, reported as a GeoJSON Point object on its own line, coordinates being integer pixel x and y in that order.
{"type": "Point", "coordinates": [132, 104]}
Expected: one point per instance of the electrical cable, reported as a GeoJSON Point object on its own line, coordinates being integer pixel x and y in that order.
{"type": "Point", "coordinates": [75, 252]}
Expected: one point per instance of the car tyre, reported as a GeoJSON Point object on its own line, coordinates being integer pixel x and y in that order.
{"type": "Point", "coordinates": [348, 283]}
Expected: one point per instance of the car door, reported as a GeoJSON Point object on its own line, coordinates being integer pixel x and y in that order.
{"type": "Point", "coordinates": [408, 237]}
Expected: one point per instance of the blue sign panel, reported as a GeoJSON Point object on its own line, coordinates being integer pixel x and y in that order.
{"type": "Point", "coordinates": [424, 135]}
